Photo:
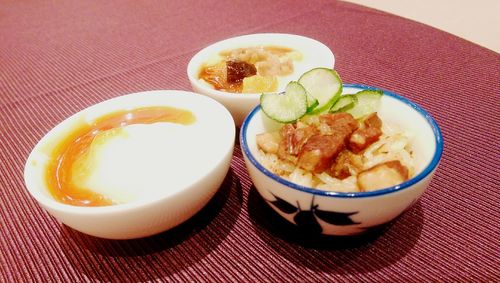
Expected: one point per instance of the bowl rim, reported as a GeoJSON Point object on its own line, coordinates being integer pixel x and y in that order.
{"type": "Point", "coordinates": [51, 203]}
{"type": "Point", "coordinates": [438, 138]}
{"type": "Point", "coordinates": [191, 67]}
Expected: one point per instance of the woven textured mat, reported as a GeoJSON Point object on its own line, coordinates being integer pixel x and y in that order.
{"type": "Point", "coordinates": [58, 57]}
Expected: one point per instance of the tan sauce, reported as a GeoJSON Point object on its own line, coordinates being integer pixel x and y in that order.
{"type": "Point", "coordinates": [216, 74]}
{"type": "Point", "coordinates": [59, 175]}
{"type": "Point", "coordinates": [276, 50]}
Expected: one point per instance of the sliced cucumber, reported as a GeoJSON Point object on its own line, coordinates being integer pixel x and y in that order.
{"type": "Point", "coordinates": [324, 85]}
{"type": "Point", "coordinates": [285, 107]}
{"type": "Point", "coordinates": [368, 102]}
{"type": "Point", "coordinates": [344, 103]}
{"type": "Point", "coordinates": [311, 102]}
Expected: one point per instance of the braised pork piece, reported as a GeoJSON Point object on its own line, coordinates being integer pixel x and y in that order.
{"type": "Point", "coordinates": [333, 144]}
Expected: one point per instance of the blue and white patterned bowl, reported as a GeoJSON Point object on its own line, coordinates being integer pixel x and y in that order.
{"type": "Point", "coordinates": [339, 213]}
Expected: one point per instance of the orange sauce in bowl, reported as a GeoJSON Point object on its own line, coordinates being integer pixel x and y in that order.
{"type": "Point", "coordinates": [277, 50]}
{"type": "Point", "coordinates": [63, 165]}
{"type": "Point", "coordinates": [216, 74]}
{"type": "Point", "coordinates": [217, 77]}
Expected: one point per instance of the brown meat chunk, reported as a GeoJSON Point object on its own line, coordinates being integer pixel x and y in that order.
{"type": "Point", "coordinates": [345, 163]}
{"type": "Point", "coordinates": [320, 151]}
{"type": "Point", "coordinates": [285, 148]}
{"type": "Point", "coordinates": [373, 121]}
{"type": "Point", "coordinates": [368, 134]}
{"type": "Point", "coordinates": [314, 148]}
{"type": "Point", "coordinates": [293, 139]}
{"type": "Point", "coordinates": [382, 175]}
{"type": "Point", "coordinates": [238, 70]}
{"type": "Point", "coordinates": [301, 136]}
{"type": "Point", "coordinates": [338, 123]}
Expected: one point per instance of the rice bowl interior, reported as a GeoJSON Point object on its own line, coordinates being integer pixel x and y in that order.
{"type": "Point", "coordinates": [425, 139]}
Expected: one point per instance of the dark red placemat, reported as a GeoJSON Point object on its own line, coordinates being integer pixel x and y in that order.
{"type": "Point", "coordinates": [57, 58]}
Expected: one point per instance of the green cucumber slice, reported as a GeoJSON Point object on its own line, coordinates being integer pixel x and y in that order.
{"type": "Point", "coordinates": [344, 103]}
{"type": "Point", "coordinates": [323, 84]}
{"type": "Point", "coordinates": [368, 102]}
{"type": "Point", "coordinates": [311, 102]}
{"type": "Point", "coordinates": [285, 107]}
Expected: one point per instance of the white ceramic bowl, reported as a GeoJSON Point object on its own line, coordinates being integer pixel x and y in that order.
{"type": "Point", "coordinates": [315, 54]}
{"type": "Point", "coordinates": [186, 192]}
{"type": "Point", "coordinates": [337, 213]}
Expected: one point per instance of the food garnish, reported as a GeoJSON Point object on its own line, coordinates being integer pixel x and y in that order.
{"type": "Point", "coordinates": [344, 103]}
{"type": "Point", "coordinates": [288, 106]}
{"type": "Point", "coordinates": [322, 89]}
{"type": "Point", "coordinates": [365, 103]}
{"type": "Point", "coordinates": [324, 85]}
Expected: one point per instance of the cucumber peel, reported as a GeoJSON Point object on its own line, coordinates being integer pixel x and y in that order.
{"type": "Point", "coordinates": [344, 103]}
{"type": "Point", "coordinates": [311, 102]}
{"type": "Point", "coordinates": [324, 85]}
{"type": "Point", "coordinates": [285, 107]}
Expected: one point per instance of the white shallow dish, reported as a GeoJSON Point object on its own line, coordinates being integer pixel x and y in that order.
{"type": "Point", "coordinates": [338, 213]}
{"type": "Point", "coordinates": [315, 54]}
{"type": "Point", "coordinates": [154, 213]}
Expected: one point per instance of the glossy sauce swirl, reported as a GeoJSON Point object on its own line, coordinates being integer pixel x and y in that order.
{"type": "Point", "coordinates": [65, 160]}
